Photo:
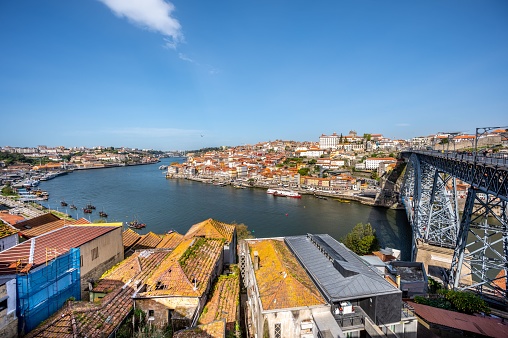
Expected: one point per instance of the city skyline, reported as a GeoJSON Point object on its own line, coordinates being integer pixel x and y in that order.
{"type": "Point", "coordinates": [166, 75]}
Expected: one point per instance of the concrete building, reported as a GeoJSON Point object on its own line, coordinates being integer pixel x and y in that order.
{"type": "Point", "coordinates": [410, 278]}
{"type": "Point", "coordinates": [57, 265]}
{"type": "Point", "coordinates": [8, 318]}
{"type": "Point", "coordinates": [352, 299]}
{"type": "Point", "coordinates": [282, 300]}
{"type": "Point", "coordinates": [372, 163]}
{"type": "Point", "coordinates": [329, 141]}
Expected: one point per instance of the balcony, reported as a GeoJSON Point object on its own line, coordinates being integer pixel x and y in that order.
{"type": "Point", "coordinates": [351, 321]}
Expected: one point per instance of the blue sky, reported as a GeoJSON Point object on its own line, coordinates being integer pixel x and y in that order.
{"type": "Point", "coordinates": [188, 74]}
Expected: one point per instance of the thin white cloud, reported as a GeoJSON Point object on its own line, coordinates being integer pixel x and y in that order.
{"type": "Point", "coordinates": [185, 58]}
{"type": "Point", "coordinates": [154, 15]}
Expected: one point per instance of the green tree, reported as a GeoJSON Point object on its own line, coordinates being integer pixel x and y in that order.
{"type": "Point", "coordinates": [243, 232]}
{"type": "Point", "coordinates": [367, 136]}
{"type": "Point", "coordinates": [304, 171]}
{"type": "Point", "coordinates": [361, 240]}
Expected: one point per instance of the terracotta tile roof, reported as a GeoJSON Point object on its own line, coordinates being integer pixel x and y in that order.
{"type": "Point", "coordinates": [215, 329]}
{"type": "Point", "coordinates": [79, 319]}
{"type": "Point", "coordinates": [223, 303]}
{"type": "Point", "coordinates": [11, 219]}
{"type": "Point", "coordinates": [483, 326]}
{"type": "Point", "coordinates": [211, 228]}
{"type": "Point", "coordinates": [129, 238]}
{"type": "Point", "coordinates": [59, 241]}
{"type": "Point", "coordinates": [281, 280]}
{"type": "Point", "coordinates": [148, 241]}
{"type": "Point", "coordinates": [170, 241]}
{"type": "Point", "coordinates": [36, 221]}
{"type": "Point", "coordinates": [187, 269]}
{"type": "Point", "coordinates": [48, 227]}
{"type": "Point", "coordinates": [6, 230]}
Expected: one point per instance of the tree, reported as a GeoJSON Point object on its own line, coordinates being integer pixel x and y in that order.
{"type": "Point", "coordinates": [304, 171]}
{"type": "Point", "coordinates": [243, 232]}
{"type": "Point", "coordinates": [361, 240]}
{"type": "Point", "coordinates": [367, 136]}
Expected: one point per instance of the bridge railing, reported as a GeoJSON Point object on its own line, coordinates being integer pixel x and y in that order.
{"type": "Point", "coordinates": [499, 159]}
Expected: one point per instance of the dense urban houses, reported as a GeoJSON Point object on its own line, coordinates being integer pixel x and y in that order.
{"type": "Point", "coordinates": [308, 286]}
{"type": "Point", "coordinates": [51, 268]}
{"type": "Point", "coordinates": [171, 282]}
{"type": "Point", "coordinates": [177, 291]}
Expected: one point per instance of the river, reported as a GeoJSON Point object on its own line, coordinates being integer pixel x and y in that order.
{"type": "Point", "coordinates": [143, 193]}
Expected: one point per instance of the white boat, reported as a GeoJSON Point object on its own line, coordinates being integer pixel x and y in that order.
{"type": "Point", "coordinates": [284, 193]}
{"type": "Point", "coordinates": [163, 167]}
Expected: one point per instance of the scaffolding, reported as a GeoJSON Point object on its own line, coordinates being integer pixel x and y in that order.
{"type": "Point", "coordinates": [44, 290]}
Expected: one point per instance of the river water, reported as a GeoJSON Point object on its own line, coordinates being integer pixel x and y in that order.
{"type": "Point", "coordinates": [143, 193]}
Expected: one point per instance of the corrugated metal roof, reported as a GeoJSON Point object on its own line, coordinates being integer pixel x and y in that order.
{"type": "Point", "coordinates": [53, 243]}
{"type": "Point", "coordinates": [338, 273]}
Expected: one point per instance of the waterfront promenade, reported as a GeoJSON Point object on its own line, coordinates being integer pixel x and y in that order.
{"type": "Point", "coordinates": [24, 209]}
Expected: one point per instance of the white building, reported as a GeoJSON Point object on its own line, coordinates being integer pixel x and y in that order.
{"type": "Point", "coordinates": [372, 163]}
{"type": "Point", "coordinates": [329, 141]}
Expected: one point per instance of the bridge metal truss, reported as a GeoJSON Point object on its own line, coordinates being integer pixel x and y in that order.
{"type": "Point", "coordinates": [429, 196]}
{"type": "Point", "coordinates": [480, 240]}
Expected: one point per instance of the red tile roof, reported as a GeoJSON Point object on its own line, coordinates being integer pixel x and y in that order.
{"type": "Point", "coordinates": [56, 243]}
{"type": "Point", "coordinates": [484, 326]}
{"type": "Point", "coordinates": [129, 238]}
{"type": "Point", "coordinates": [80, 319]}
{"type": "Point", "coordinates": [48, 227]}
{"type": "Point", "coordinates": [36, 221]}
{"type": "Point", "coordinates": [148, 241]}
{"type": "Point", "coordinates": [211, 228]}
{"type": "Point", "coordinates": [10, 219]}
{"type": "Point", "coordinates": [170, 241]}
{"type": "Point", "coordinates": [215, 329]}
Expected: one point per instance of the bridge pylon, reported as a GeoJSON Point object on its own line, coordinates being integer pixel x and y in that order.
{"type": "Point", "coordinates": [482, 245]}
{"type": "Point", "coordinates": [430, 198]}
{"type": "Point", "coordinates": [479, 241]}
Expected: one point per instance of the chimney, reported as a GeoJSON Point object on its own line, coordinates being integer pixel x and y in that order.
{"type": "Point", "coordinates": [256, 261]}
{"type": "Point", "coordinates": [398, 281]}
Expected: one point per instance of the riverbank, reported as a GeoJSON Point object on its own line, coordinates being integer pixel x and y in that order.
{"type": "Point", "coordinates": [341, 197]}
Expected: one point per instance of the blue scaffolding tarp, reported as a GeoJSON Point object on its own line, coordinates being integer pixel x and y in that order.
{"type": "Point", "coordinates": [43, 291]}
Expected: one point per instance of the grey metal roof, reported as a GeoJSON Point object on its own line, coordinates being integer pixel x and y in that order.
{"type": "Point", "coordinates": [338, 273]}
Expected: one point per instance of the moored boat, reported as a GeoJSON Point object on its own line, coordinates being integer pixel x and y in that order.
{"type": "Point", "coordinates": [284, 193]}
{"type": "Point", "coordinates": [103, 214]}
{"type": "Point", "coordinates": [136, 225]}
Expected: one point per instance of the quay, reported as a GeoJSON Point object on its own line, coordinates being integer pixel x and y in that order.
{"type": "Point", "coordinates": [355, 196]}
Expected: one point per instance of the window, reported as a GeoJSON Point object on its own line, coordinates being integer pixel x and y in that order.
{"type": "Point", "coordinates": [81, 261]}
{"type": "Point", "coordinates": [95, 253]}
{"type": "Point", "coordinates": [151, 314]}
{"type": "Point", "coordinates": [278, 330]}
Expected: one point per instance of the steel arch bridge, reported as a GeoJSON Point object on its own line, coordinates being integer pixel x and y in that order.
{"type": "Point", "coordinates": [479, 238]}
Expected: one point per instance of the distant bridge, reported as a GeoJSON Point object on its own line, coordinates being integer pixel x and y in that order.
{"type": "Point", "coordinates": [478, 239]}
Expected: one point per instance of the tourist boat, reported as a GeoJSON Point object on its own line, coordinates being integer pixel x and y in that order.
{"type": "Point", "coordinates": [163, 167]}
{"type": "Point", "coordinates": [73, 207]}
{"type": "Point", "coordinates": [136, 225]}
{"type": "Point", "coordinates": [103, 214]}
{"type": "Point", "coordinates": [284, 193]}
{"type": "Point", "coordinates": [87, 210]}
{"type": "Point", "coordinates": [90, 206]}
{"type": "Point", "coordinates": [63, 203]}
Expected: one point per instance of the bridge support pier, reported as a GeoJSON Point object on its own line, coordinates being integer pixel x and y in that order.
{"type": "Point", "coordinates": [482, 245]}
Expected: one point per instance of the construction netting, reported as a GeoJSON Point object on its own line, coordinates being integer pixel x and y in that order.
{"type": "Point", "coordinates": [43, 291]}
